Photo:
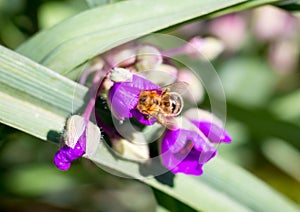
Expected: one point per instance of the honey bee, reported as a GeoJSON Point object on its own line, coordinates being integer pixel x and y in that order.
{"type": "Point", "coordinates": [164, 105]}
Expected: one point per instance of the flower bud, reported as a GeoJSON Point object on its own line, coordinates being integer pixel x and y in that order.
{"type": "Point", "coordinates": [231, 29]}
{"type": "Point", "coordinates": [122, 57]}
{"type": "Point", "coordinates": [93, 138]}
{"type": "Point", "coordinates": [195, 89]}
{"type": "Point", "coordinates": [74, 128]}
{"type": "Point", "coordinates": [121, 75]}
{"type": "Point", "coordinates": [163, 74]}
{"type": "Point", "coordinates": [131, 151]}
{"type": "Point", "coordinates": [78, 140]}
{"type": "Point", "coordinates": [209, 47]}
{"type": "Point", "coordinates": [271, 23]}
{"type": "Point", "coordinates": [148, 58]}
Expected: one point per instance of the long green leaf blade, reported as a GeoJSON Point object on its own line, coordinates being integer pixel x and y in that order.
{"type": "Point", "coordinates": [243, 187]}
{"type": "Point", "coordinates": [70, 43]}
{"type": "Point", "coordinates": [35, 99]}
{"type": "Point", "coordinates": [187, 190]}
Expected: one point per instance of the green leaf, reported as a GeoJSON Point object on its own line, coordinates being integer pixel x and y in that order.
{"type": "Point", "coordinates": [284, 156]}
{"type": "Point", "coordinates": [35, 99]}
{"type": "Point", "coordinates": [29, 180]}
{"type": "Point", "coordinates": [51, 13]}
{"type": "Point", "coordinates": [246, 81]}
{"type": "Point", "coordinates": [170, 203]}
{"type": "Point", "coordinates": [72, 42]}
{"type": "Point", "coordinates": [96, 3]}
{"type": "Point", "coordinates": [290, 5]}
{"type": "Point", "coordinates": [262, 123]}
{"type": "Point", "coordinates": [191, 192]}
{"type": "Point", "coordinates": [287, 107]}
{"type": "Point", "coordinates": [243, 187]}
{"type": "Point", "coordinates": [223, 187]}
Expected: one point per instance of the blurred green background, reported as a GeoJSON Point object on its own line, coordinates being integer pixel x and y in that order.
{"type": "Point", "coordinates": [259, 69]}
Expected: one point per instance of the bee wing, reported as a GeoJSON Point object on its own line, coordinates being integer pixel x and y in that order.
{"type": "Point", "coordinates": [178, 87]}
{"type": "Point", "coordinates": [167, 121]}
{"type": "Point", "coordinates": [171, 123]}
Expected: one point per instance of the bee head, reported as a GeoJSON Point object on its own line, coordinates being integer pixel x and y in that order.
{"type": "Point", "coordinates": [176, 103]}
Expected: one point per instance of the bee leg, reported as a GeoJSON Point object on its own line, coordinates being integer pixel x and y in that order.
{"type": "Point", "coordinates": [145, 114]}
{"type": "Point", "coordinates": [161, 119]}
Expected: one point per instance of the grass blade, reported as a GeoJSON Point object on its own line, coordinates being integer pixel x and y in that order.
{"type": "Point", "coordinates": [35, 99]}
{"type": "Point", "coordinates": [97, 30]}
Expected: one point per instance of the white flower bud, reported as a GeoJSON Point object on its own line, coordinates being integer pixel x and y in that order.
{"type": "Point", "coordinates": [74, 129]}
{"type": "Point", "coordinates": [121, 75]}
{"type": "Point", "coordinates": [148, 58]}
{"type": "Point", "coordinates": [92, 140]}
{"type": "Point", "coordinates": [131, 151]}
{"type": "Point", "coordinates": [209, 47]}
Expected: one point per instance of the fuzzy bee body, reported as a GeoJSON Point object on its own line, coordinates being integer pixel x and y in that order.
{"type": "Point", "coordinates": [162, 105]}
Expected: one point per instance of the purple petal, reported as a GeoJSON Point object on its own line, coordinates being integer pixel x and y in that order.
{"type": "Point", "coordinates": [179, 165]}
{"type": "Point", "coordinates": [186, 151]}
{"type": "Point", "coordinates": [187, 164]}
{"type": "Point", "coordinates": [210, 125]}
{"type": "Point", "coordinates": [172, 141]}
{"type": "Point", "coordinates": [142, 118]}
{"type": "Point", "coordinates": [189, 167]}
{"type": "Point", "coordinates": [205, 156]}
{"type": "Point", "coordinates": [61, 159]}
{"type": "Point", "coordinates": [123, 96]}
{"type": "Point", "coordinates": [66, 155]}
{"type": "Point", "coordinates": [200, 142]}
{"type": "Point", "coordinates": [175, 140]}
{"type": "Point", "coordinates": [213, 132]}
{"type": "Point", "coordinates": [204, 148]}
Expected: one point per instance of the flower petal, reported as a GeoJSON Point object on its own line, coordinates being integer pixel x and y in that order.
{"type": "Point", "coordinates": [209, 125]}
{"type": "Point", "coordinates": [186, 151]}
{"type": "Point", "coordinates": [123, 96]}
{"type": "Point", "coordinates": [200, 142]}
{"type": "Point", "coordinates": [189, 167]}
{"type": "Point", "coordinates": [66, 155]}
{"type": "Point", "coordinates": [172, 141]}
{"type": "Point", "coordinates": [177, 165]}
{"type": "Point", "coordinates": [148, 58]}
{"type": "Point", "coordinates": [214, 133]}
{"type": "Point", "coordinates": [142, 118]}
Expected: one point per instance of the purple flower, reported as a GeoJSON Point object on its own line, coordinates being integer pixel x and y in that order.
{"type": "Point", "coordinates": [124, 96]}
{"type": "Point", "coordinates": [188, 148]}
{"type": "Point", "coordinates": [74, 142]}
{"type": "Point", "coordinates": [66, 154]}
